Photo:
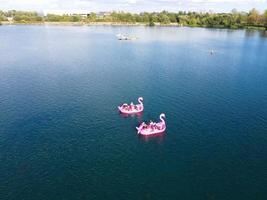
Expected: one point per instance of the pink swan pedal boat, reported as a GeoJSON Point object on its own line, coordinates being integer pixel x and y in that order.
{"type": "Point", "coordinates": [132, 109]}
{"type": "Point", "coordinates": [152, 128]}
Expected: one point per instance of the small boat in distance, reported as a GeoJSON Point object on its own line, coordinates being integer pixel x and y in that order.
{"type": "Point", "coordinates": [152, 128]}
{"type": "Point", "coordinates": [125, 37]}
{"type": "Point", "coordinates": [132, 109]}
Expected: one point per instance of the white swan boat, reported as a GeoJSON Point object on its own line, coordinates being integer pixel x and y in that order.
{"type": "Point", "coordinates": [132, 109]}
{"type": "Point", "coordinates": [125, 37]}
{"type": "Point", "coordinates": [153, 128]}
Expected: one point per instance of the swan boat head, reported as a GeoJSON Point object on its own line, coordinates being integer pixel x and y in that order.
{"type": "Point", "coordinates": [162, 115]}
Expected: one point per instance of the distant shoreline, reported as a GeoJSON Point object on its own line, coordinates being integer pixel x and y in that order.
{"type": "Point", "coordinates": [122, 24]}
{"type": "Point", "coordinates": [234, 20]}
{"type": "Point", "coordinates": [86, 24]}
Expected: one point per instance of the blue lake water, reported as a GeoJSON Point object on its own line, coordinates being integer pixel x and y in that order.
{"type": "Point", "coordinates": [61, 136]}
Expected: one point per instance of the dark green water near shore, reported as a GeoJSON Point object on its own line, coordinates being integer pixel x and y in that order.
{"type": "Point", "coordinates": [61, 136]}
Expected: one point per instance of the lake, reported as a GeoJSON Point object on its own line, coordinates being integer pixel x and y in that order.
{"type": "Point", "coordinates": [61, 136]}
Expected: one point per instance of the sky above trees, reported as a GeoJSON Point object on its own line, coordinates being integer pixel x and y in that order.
{"type": "Point", "coordinates": [132, 5]}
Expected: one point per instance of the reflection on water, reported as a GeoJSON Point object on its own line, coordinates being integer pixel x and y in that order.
{"type": "Point", "coordinates": [137, 115]}
{"type": "Point", "coordinates": [253, 33]}
{"type": "Point", "coordinates": [263, 33]}
{"type": "Point", "coordinates": [159, 138]}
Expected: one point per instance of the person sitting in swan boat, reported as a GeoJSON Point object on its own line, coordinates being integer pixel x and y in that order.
{"type": "Point", "coordinates": [131, 106]}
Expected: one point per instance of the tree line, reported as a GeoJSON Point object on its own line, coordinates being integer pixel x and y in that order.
{"type": "Point", "coordinates": [234, 19]}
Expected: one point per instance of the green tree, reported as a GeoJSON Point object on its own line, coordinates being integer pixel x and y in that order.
{"type": "Point", "coordinates": [151, 23]}
{"type": "Point", "coordinates": [2, 16]}
{"type": "Point", "coordinates": [183, 20]}
{"type": "Point", "coordinates": [253, 17]}
{"type": "Point", "coordinates": [192, 21]}
{"type": "Point", "coordinates": [75, 18]}
{"type": "Point", "coordinates": [21, 16]}
{"type": "Point", "coordinates": [53, 18]}
{"type": "Point", "coordinates": [145, 17]}
{"type": "Point", "coordinates": [265, 19]}
{"type": "Point", "coordinates": [154, 18]}
{"type": "Point", "coordinates": [172, 17]}
{"type": "Point", "coordinates": [91, 17]}
{"type": "Point", "coordinates": [163, 18]}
